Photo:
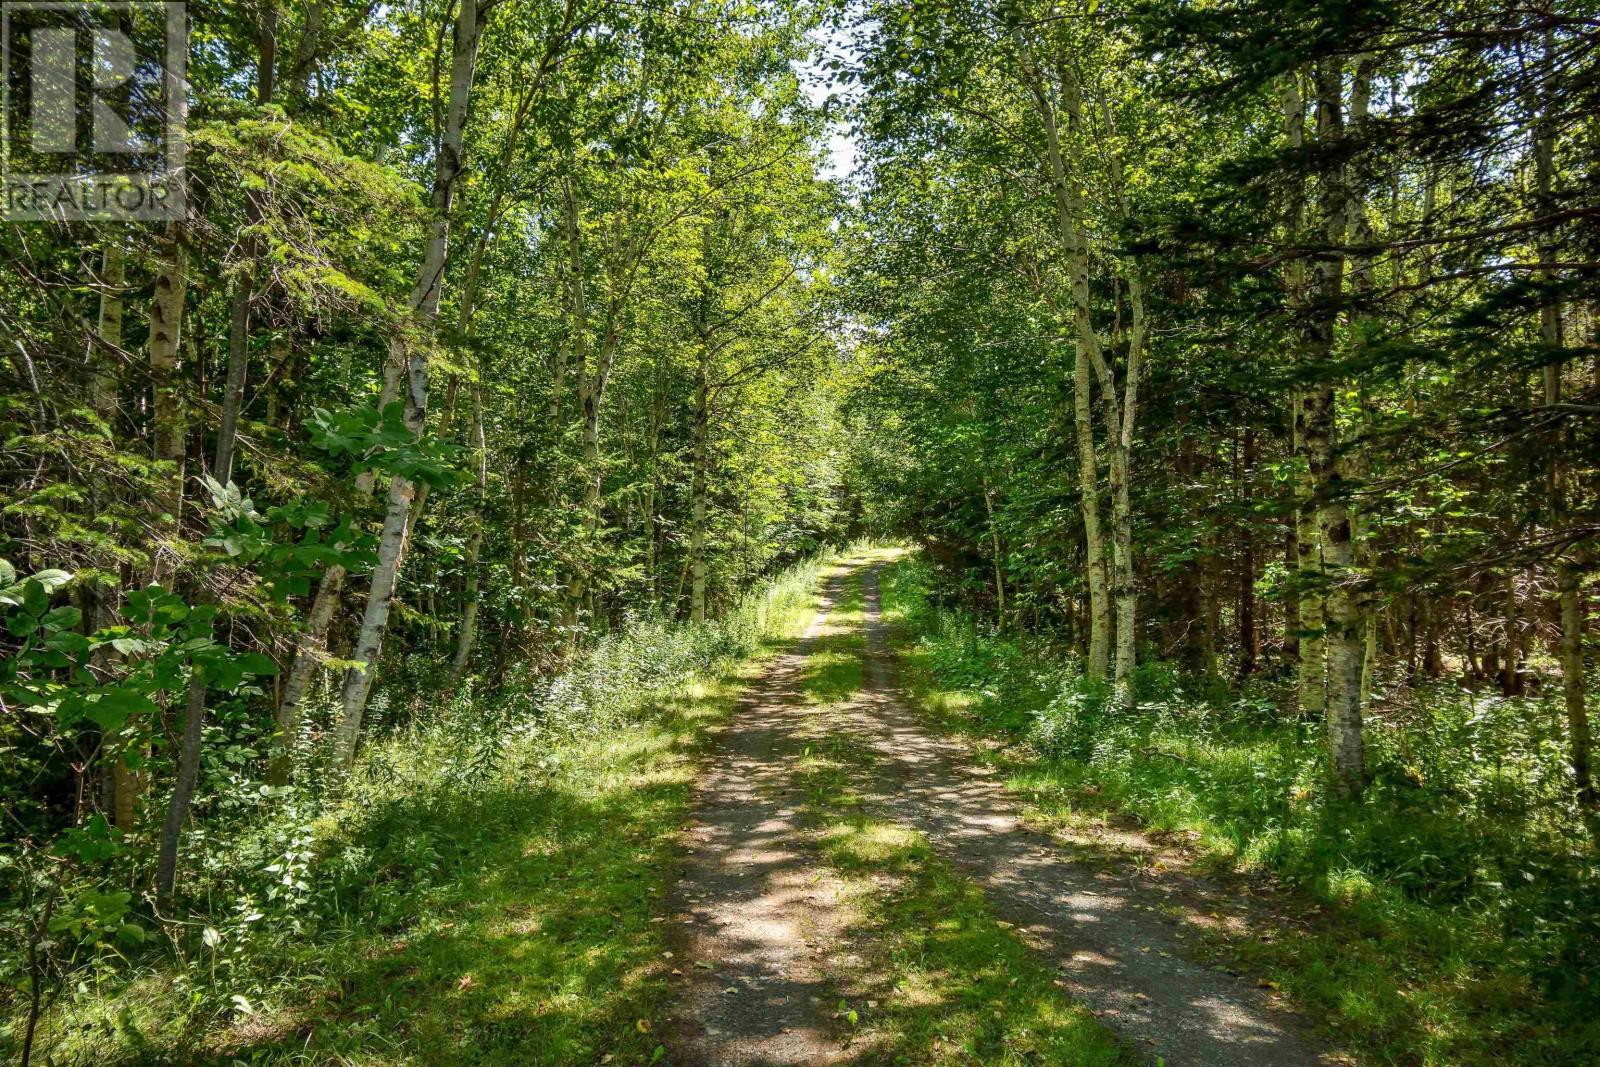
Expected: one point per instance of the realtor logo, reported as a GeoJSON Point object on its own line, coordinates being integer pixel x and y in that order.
{"type": "Point", "coordinates": [94, 102]}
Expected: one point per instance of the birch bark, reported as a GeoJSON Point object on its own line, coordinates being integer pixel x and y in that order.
{"type": "Point", "coordinates": [411, 358]}
{"type": "Point", "coordinates": [1070, 231]}
{"type": "Point", "coordinates": [1344, 639]}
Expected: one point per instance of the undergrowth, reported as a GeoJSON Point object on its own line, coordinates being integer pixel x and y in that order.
{"type": "Point", "coordinates": [1454, 914]}
{"type": "Point", "coordinates": [480, 891]}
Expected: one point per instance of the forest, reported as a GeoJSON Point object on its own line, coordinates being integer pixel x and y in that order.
{"type": "Point", "coordinates": [776, 532]}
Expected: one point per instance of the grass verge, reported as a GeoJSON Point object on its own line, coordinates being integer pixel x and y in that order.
{"type": "Point", "coordinates": [1450, 920]}
{"type": "Point", "coordinates": [486, 891]}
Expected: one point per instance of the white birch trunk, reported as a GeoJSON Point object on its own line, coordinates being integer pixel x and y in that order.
{"type": "Point", "coordinates": [1346, 743]}
{"type": "Point", "coordinates": [1070, 231]}
{"type": "Point", "coordinates": [415, 361]}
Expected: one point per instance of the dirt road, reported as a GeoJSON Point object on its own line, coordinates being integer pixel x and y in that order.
{"type": "Point", "coordinates": [766, 932]}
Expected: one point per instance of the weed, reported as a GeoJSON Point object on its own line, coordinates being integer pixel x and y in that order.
{"type": "Point", "coordinates": [1456, 911]}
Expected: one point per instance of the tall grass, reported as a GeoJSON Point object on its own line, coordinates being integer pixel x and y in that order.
{"type": "Point", "coordinates": [522, 729]}
{"type": "Point", "coordinates": [300, 895]}
{"type": "Point", "coordinates": [1459, 902]}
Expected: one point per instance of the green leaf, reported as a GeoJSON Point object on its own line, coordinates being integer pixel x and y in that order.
{"type": "Point", "coordinates": [35, 597]}
{"type": "Point", "coordinates": [116, 705]}
{"type": "Point", "coordinates": [63, 618]}
{"type": "Point", "coordinates": [52, 579]}
{"type": "Point", "coordinates": [256, 663]}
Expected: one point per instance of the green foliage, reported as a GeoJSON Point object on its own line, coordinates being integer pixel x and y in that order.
{"type": "Point", "coordinates": [1461, 898]}
{"type": "Point", "coordinates": [365, 438]}
{"type": "Point", "coordinates": [573, 788]}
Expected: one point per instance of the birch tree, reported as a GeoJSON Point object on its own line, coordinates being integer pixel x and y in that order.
{"type": "Point", "coordinates": [409, 363]}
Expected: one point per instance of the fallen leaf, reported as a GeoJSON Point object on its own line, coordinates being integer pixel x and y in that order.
{"type": "Point", "coordinates": [466, 982]}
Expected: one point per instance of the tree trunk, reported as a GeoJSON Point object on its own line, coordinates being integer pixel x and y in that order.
{"type": "Point", "coordinates": [699, 432]}
{"type": "Point", "coordinates": [469, 306]}
{"type": "Point", "coordinates": [309, 648]}
{"type": "Point", "coordinates": [1291, 564]}
{"type": "Point", "coordinates": [103, 398]}
{"type": "Point", "coordinates": [1355, 463]}
{"type": "Point", "coordinates": [1308, 564]}
{"type": "Point", "coordinates": [267, 55]}
{"type": "Point", "coordinates": [1210, 577]}
{"type": "Point", "coordinates": [469, 610]}
{"type": "Point", "coordinates": [1343, 620]}
{"type": "Point", "coordinates": [166, 339]}
{"type": "Point", "coordinates": [1249, 648]}
{"type": "Point", "coordinates": [653, 489]}
{"type": "Point", "coordinates": [165, 342]}
{"type": "Point", "coordinates": [414, 359]}
{"type": "Point", "coordinates": [1120, 419]}
{"type": "Point", "coordinates": [1432, 653]}
{"type": "Point", "coordinates": [994, 548]}
{"type": "Point", "coordinates": [238, 370]}
{"type": "Point", "coordinates": [1569, 573]}
{"type": "Point", "coordinates": [194, 722]}
{"type": "Point", "coordinates": [103, 364]}
{"type": "Point", "coordinates": [1511, 665]}
{"type": "Point", "coordinates": [311, 643]}
{"type": "Point", "coordinates": [1070, 230]}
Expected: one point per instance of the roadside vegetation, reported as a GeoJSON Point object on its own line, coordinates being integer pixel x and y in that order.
{"type": "Point", "coordinates": [482, 890]}
{"type": "Point", "coordinates": [1450, 919]}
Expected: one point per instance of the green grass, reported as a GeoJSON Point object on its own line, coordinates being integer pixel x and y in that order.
{"type": "Point", "coordinates": [1451, 919]}
{"type": "Point", "coordinates": [535, 944]}
{"type": "Point", "coordinates": [940, 979]}
{"type": "Point", "coordinates": [833, 667]}
{"type": "Point", "coordinates": [506, 925]}
{"type": "Point", "coordinates": [487, 891]}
